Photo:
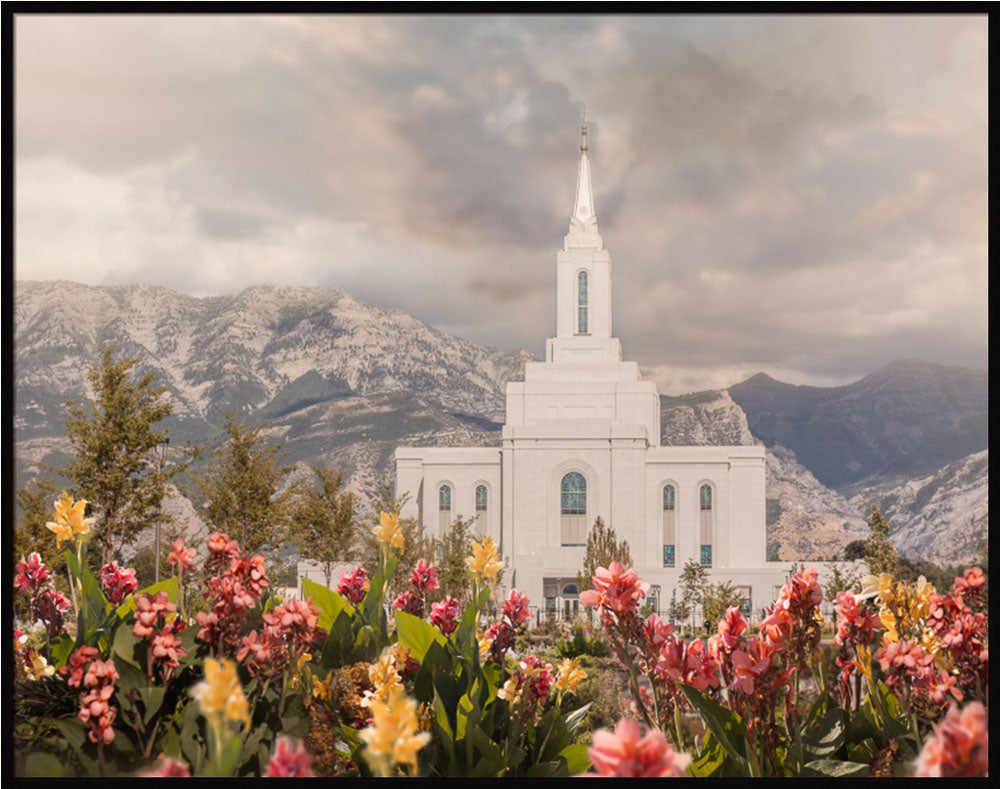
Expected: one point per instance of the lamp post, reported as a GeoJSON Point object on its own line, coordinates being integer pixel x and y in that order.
{"type": "Point", "coordinates": [161, 447]}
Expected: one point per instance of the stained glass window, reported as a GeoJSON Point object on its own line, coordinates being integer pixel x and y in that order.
{"type": "Point", "coordinates": [444, 498]}
{"type": "Point", "coordinates": [706, 555]}
{"type": "Point", "coordinates": [706, 497]}
{"type": "Point", "coordinates": [581, 303]}
{"type": "Point", "coordinates": [574, 494]}
{"type": "Point", "coordinates": [668, 555]}
{"type": "Point", "coordinates": [668, 497]}
{"type": "Point", "coordinates": [481, 498]}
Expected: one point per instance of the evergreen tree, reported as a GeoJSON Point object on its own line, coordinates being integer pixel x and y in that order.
{"type": "Point", "coordinates": [240, 487]}
{"type": "Point", "coordinates": [854, 550]}
{"type": "Point", "coordinates": [840, 581]}
{"type": "Point", "coordinates": [879, 551]}
{"type": "Point", "coordinates": [694, 579]}
{"type": "Point", "coordinates": [455, 548]}
{"type": "Point", "coordinates": [113, 442]}
{"type": "Point", "coordinates": [323, 524]}
{"type": "Point", "coordinates": [603, 548]}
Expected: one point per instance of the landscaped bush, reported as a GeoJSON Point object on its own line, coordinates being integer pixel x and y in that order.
{"type": "Point", "coordinates": [122, 681]}
{"type": "Point", "coordinates": [581, 644]}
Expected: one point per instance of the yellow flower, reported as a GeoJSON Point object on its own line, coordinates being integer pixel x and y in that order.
{"type": "Point", "coordinates": [484, 645]}
{"type": "Point", "coordinates": [483, 561]}
{"type": "Point", "coordinates": [63, 531]}
{"type": "Point", "coordinates": [40, 668]}
{"type": "Point", "coordinates": [69, 520]}
{"type": "Point", "coordinates": [864, 663]}
{"type": "Point", "coordinates": [569, 676]}
{"type": "Point", "coordinates": [220, 694]}
{"type": "Point", "coordinates": [388, 531]}
{"type": "Point", "coordinates": [304, 658]}
{"type": "Point", "coordinates": [394, 736]}
{"type": "Point", "coordinates": [321, 687]}
{"type": "Point", "coordinates": [880, 585]}
{"type": "Point", "coordinates": [511, 691]}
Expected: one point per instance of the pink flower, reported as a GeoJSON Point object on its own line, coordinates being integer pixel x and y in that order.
{"type": "Point", "coordinates": [540, 678]}
{"type": "Point", "coordinates": [959, 746]}
{"type": "Point", "coordinates": [656, 631]}
{"type": "Point", "coordinates": [625, 754]}
{"type": "Point", "coordinates": [615, 588]}
{"type": "Point", "coordinates": [290, 760]}
{"type": "Point", "coordinates": [354, 584]}
{"type": "Point", "coordinates": [730, 628]}
{"type": "Point", "coordinates": [181, 556]}
{"type": "Point", "coordinates": [99, 676]}
{"type": "Point", "coordinates": [220, 544]}
{"type": "Point", "coordinates": [745, 670]}
{"type": "Point", "coordinates": [119, 581]}
{"type": "Point", "coordinates": [31, 574]}
{"type": "Point", "coordinates": [444, 615]}
{"type": "Point", "coordinates": [856, 622]}
{"type": "Point", "coordinates": [903, 661]}
{"type": "Point", "coordinates": [168, 768]}
{"type": "Point", "coordinates": [409, 602]}
{"type": "Point", "coordinates": [516, 609]}
{"type": "Point", "coordinates": [77, 662]}
{"type": "Point", "coordinates": [424, 577]}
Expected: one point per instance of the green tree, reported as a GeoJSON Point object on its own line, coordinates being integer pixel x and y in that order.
{"type": "Point", "coordinates": [35, 501]}
{"type": "Point", "coordinates": [114, 441]}
{"type": "Point", "coordinates": [678, 610]}
{"type": "Point", "coordinates": [983, 550]}
{"type": "Point", "coordinates": [241, 487]}
{"type": "Point", "coordinates": [880, 554]}
{"type": "Point", "coordinates": [716, 598]}
{"type": "Point", "coordinates": [455, 547]}
{"type": "Point", "coordinates": [323, 524]}
{"type": "Point", "coordinates": [694, 579]}
{"type": "Point", "coordinates": [854, 550]}
{"type": "Point", "coordinates": [603, 548]}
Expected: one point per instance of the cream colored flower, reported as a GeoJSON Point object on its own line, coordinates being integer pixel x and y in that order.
{"type": "Point", "coordinates": [394, 736]}
{"type": "Point", "coordinates": [40, 667]}
{"type": "Point", "coordinates": [511, 691]}
{"type": "Point", "coordinates": [221, 695]}
{"type": "Point", "coordinates": [384, 676]}
{"type": "Point", "coordinates": [388, 531]}
{"type": "Point", "coordinates": [484, 561]}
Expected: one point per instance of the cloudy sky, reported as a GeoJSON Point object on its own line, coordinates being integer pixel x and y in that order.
{"type": "Point", "coordinates": [805, 196]}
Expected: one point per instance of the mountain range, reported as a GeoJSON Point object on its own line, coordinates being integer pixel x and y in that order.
{"type": "Point", "coordinates": [343, 383]}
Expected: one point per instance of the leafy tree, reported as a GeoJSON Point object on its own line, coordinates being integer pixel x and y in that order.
{"type": "Point", "coordinates": [114, 441]}
{"type": "Point", "coordinates": [240, 486]}
{"type": "Point", "coordinates": [455, 548]}
{"type": "Point", "coordinates": [983, 549]}
{"type": "Point", "coordinates": [323, 524]}
{"type": "Point", "coordinates": [854, 550]}
{"type": "Point", "coordinates": [694, 579]}
{"type": "Point", "coordinates": [841, 580]}
{"type": "Point", "coordinates": [35, 501]}
{"type": "Point", "coordinates": [144, 564]}
{"type": "Point", "coordinates": [603, 548]}
{"type": "Point", "coordinates": [716, 598]}
{"type": "Point", "coordinates": [879, 551]}
{"type": "Point", "coordinates": [678, 611]}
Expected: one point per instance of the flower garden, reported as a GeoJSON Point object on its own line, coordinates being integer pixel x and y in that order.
{"type": "Point", "coordinates": [118, 681]}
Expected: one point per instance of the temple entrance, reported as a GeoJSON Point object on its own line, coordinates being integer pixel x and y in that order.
{"type": "Point", "coordinates": [562, 598]}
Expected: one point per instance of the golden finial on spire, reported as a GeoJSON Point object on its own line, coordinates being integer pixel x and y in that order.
{"type": "Point", "coordinates": [583, 132]}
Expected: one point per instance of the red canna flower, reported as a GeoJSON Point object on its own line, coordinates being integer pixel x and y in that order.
{"type": "Point", "coordinates": [625, 753]}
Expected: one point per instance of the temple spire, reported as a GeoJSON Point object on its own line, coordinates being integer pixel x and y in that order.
{"type": "Point", "coordinates": [583, 230]}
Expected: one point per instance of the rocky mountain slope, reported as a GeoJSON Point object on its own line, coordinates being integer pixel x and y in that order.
{"type": "Point", "coordinates": [941, 516]}
{"type": "Point", "coordinates": [908, 418]}
{"type": "Point", "coordinates": [343, 383]}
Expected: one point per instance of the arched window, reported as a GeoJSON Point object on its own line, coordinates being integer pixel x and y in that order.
{"type": "Point", "coordinates": [669, 526]}
{"type": "Point", "coordinates": [481, 510]}
{"type": "Point", "coordinates": [444, 509]}
{"type": "Point", "coordinates": [581, 303]}
{"type": "Point", "coordinates": [706, 525]}
{"type": "Point", "coordinates": [573, 509]}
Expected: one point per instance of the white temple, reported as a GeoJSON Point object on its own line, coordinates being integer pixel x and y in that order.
{"type": "Point", "coordinates": [582, 440]}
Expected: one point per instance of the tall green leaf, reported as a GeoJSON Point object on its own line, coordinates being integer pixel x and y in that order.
{"type": "Point", "coordinates": [725, 724]}
{"type": "Point", "coordinates": [330, 603]}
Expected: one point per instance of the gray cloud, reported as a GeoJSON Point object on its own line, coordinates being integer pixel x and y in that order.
{"type": "Point", "coordinates": [799, 194]}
